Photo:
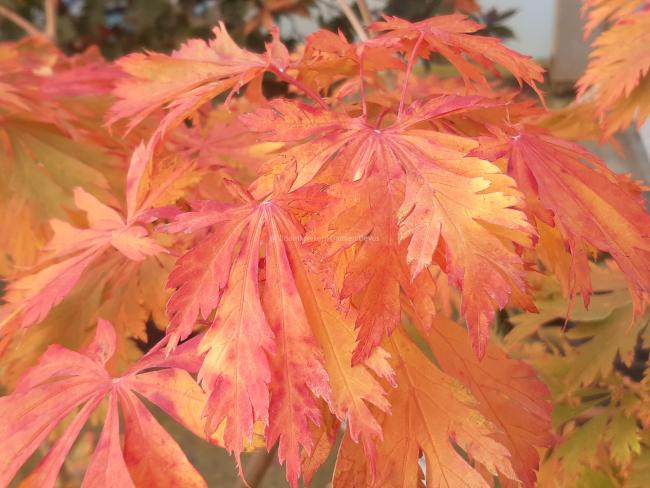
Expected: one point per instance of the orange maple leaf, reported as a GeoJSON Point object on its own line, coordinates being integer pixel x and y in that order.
{"type": "Point", "coordinates": [189, 78]}
{"type": "Point", "coordinates": [329, 57]}
{"type": "Point", "coordinates": [287, 340]}
{"type": "Point", "coordinates": [618, 73]}
{"type": "Point", "coordinates": [452, 36]}
{"type": "Point", "coordinates": [508, 391]}
{"type": "Point", "coordinates": [573, 192]}
{"type": "Point", "coordinates": [599, 11]}
{"type": "Point", "coordinates": [432, 414]}
{"type": "Point", "coordinates": [460, 206]}
{"type": "Point", "coordinates": [73, 250]}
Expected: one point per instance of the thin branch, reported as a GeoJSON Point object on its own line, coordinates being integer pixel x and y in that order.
{"type": "Point", "coordinates": [21, 22]}
{"type": "Point", "coordinates": [51, 17]}
{"type": "Point", "coordinates": [365, 11]}
{"type": "Point", "coordinates": [362, 87]}
{"type": "Point", "coordinates": [353, 19]}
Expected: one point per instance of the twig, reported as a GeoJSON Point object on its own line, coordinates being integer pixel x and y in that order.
{"type": "Point", "coordinates": [353, 19]}
{"type": "Point", "coordinates": [21, 22]}
{"type": "Point", "coordinates": [51, 15]}
{"type": "Point", "coordinates": [365, 11]}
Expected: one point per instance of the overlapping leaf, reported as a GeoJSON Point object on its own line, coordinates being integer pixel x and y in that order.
{"type": "Point", "coordinates": [66, 383]}
{"type": "Point", "coordinates": [189, 78]}
{"type": "Point", "coordinates": [619, 69]}
{"type": "Point", "coordinates": [432, 414]}
{"type": "Point", "coordinates": [599, 11]}
{"type": "Point", "coordinates": [590, 367]}
{"type": "Point", "coordinates": [51, 140]}
{"type": "Point", "coordinates": [297, 272]}
{"type": "Point", "coordinates": [110, 258]}
{"type": "Point", "coordinates": [460, 208]}
{"type": "Point", "coordinates": [451, 37]}
{"type": "Point", "coordinates": [509, 393]}
{"type": "Point", "coordinates": [579, 204]}
{"type": "Point", "coordinates": [287, 343]}
{"type": "Point", "coordinates": [74, 249]}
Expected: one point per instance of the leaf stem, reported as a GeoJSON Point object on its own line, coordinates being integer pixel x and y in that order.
{"type": "Point", "coordinates": [407, 75]}
{"type": "Point", "coordinates": [280, 73]}
{"type": "Point", "coordinates": [362, 87]}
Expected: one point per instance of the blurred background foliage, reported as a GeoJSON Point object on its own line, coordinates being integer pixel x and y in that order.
{"type": "Point", "coordinates": [122, 26]}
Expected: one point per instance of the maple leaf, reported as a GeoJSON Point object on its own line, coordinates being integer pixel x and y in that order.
{"type": "Point", "coordinates": [214, 274]}
{"type": "Point", "coordinates": [74, 250]}
{"type": "Point", "coordinates": [508, 391]}
{"type": "Point", "coordinates": [288, 339]}
{"type": "Point", "coordinates": [189, 78]}
{"type": "Point", "coordinates": [599, 412]}
{"type": "Point", "coordinates": [563, 123]}
{"type": "Point", "coordinates": [433, 414]}
{"type": "Point", "coordinates": [452, 36]}
{"type": "Point", "coordinates": [468, 6]}
{"type": "Point", "coordinates": [313, 226]}
{"type": "Point", "coordinates": [324, 438]}
{"type": "Point", "coordinates": [42, 167]}
{"type": "Point", "coordinates": [574, 194]}
{"type": "Point", "coordinates": [51, 141]}
{"type": "Point", "coordinates": [263, 16]}
{"type": "Point", "coordinates": [359, 235]}
{"type": "Point", "coordinates": [26, 67]}
{"type": "Point", "coordinates": [223, 145]}
{"type": "Point", "coordinates": [605, 340]}
{"type": "Point", "coordinates": [329, 57]}
{"type": "Point", "coordinates": [624, 439]}
{"type": "Point", "coordinates": [109, 259]}
{"type": "Point", "coordinates": [353, 386]}
{"type": "Point", "coordinates": [297, 368]}
{"type": "Point", "coordinates": [598, 11]}
{"type": "Point", "coordinates": [619, 67]}
{"type": "Point", "coordinates": [608, 439]}
{"type": "Point", "coordinates": [460, 205]}
{"type": "Point", "coordinates": [366, 216]}
{"type": "Point", "coordinates": [639, 470]}
{"type": "Point", "coordinates": [65, 382]}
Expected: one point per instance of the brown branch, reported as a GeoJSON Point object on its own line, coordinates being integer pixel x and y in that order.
{"type": "Point", "coordinates": [51, 17]}
{"type": "Point", "coordinates": [21, 22]}
{"type": "Point", "coordinates": [353, 19]}
{"type": "Point", "coordinates": [365, 11]}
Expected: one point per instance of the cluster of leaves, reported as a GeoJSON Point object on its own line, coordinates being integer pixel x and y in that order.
{"type": "Point", "coordinates": [302, 254]}
{"type": "Point", "coordinates": [595, 360]}
{"type": "Point", "coordinates": [596, 367]}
